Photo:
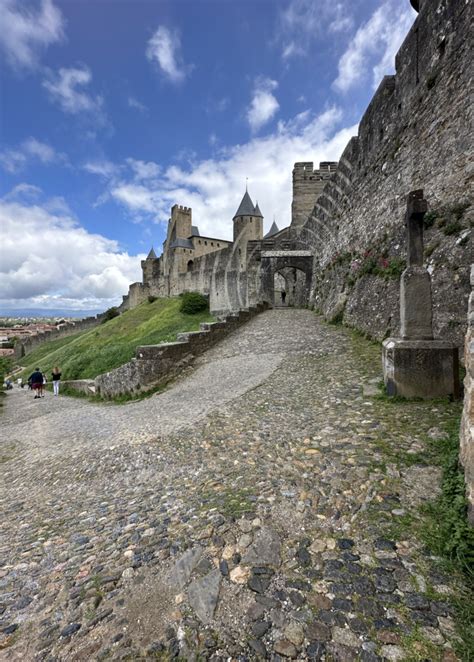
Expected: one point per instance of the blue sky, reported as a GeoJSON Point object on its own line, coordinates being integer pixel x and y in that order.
{"type": "Point", "coordinates": [114, 110]}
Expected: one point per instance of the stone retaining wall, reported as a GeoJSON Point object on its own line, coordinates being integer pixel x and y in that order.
{"type": "Point", "coordinates": [155, 364]}
{"type": "Point", "coordinates": [467, 422]}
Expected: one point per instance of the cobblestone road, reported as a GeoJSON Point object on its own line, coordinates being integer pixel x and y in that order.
{"type": "Point", "coordinates": [252, 511]}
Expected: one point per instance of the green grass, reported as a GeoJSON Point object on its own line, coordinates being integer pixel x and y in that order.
{"type": "Point", "coordinates": [91, 353]}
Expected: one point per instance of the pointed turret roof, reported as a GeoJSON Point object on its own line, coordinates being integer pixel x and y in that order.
{"type": "Point", "coordinates": [246, 207]}
{"type": "Point", "coordinates": [151, 255]}
{"type": "Point", "coordinates": [257, 211]}
{"type": "Point", "coordinates": [273, 230]}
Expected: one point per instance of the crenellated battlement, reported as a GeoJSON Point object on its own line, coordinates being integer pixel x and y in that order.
{"type": "Point", "coordinates": [181, 209]}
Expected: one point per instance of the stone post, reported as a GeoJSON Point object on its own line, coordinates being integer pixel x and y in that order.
{"type": "Point", "coordinates": [416, 365]}
{"type": "Point", "coordinates": [415, 284]}
{"type": "Point", "coordinates": [466, 450]}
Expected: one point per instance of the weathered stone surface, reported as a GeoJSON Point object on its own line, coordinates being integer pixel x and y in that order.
{"type": "Point", "coordinates": [415, 304]}
{"type": "Point", "coordinates": [466, 451]}
{"type": "Point", "coordinates": [203, 595]}
{"type": "Point", "coordinates": [185, 565]}
{"type": "Point", "coordinates": [420, 368]}
{"type": "Point", "coordinates": [285, 648]}
{"type": "Point", "coordinates": [265, 549]}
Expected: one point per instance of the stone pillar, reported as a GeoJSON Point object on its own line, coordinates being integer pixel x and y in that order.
{"type": "Point", "coordinates": [415, 284]}
{"type": "Point", "coordinates": [416, 365]}
{"type": "Point", "coordinates": [466, 451]}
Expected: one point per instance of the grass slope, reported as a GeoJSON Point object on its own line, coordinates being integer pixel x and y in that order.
{"type": "Point", "coordinates": [90, 353]}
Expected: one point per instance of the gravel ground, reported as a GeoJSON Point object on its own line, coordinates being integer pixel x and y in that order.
{"type": "Point", "coordinates": [251, 511]}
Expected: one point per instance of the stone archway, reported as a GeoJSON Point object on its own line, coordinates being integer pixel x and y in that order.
{"type": "Point", "coordinates": [289, 288]}
{"type": "Point", "coordinates": [295, 267]}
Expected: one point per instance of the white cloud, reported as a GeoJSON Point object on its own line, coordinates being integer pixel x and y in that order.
{"type": "Point", "coordinates": [303, 21]}
{"type": "Point", "coordinates": [48, 260]}
{"type": "Point", "coordinates": [134, 103]}
{"type": "Point", "coordinates": [24, 191]}
{"type": "Point", "coordinates": [67, 88]}
{"type": "Point", "coordinates": [164, 48]}
{"type": "Point", "coordinates": [144, 169]}
{"type": "Point", "coordinates": [30, 150]}
{"type": "Point", "coordinates": [263, 105]}
{"type": "Point", "coordinates": [214, 187]}
{"type": "Point", "coordinates": [373, 47]}
{"type": "Point", "coordinates": [26, 32]}
{"type": "Point", "coordinates": [103, 167]}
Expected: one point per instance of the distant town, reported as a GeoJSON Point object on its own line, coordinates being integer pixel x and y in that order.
{"type": "Point", "coordinates": [13, 328]}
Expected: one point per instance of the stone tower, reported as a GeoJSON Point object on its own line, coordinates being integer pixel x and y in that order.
{"type": "Point", "coordinates": [248, 221]}
{"type": "Point", "coordinates": [181, 222]}
{"type": "Point", "coordinates": [150, 268]}
{"type": "Point", "coordinates": [307, 187]}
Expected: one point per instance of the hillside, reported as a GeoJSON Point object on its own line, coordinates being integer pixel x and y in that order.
{"type": "Point", "coordinates": [109, 345]}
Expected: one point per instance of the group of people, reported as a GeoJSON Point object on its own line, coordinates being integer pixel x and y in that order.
{"type": "Point", "coordinates": [37, 381]}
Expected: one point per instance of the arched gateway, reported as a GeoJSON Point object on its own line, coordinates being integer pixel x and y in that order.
{"type": "Point", "coordinates": [292, 271]}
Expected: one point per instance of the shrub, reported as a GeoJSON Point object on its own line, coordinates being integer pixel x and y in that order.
{"type": "Point", "coordinates": [429, 218]}
{"type": "Point", "coordinates": [192, 303]}
{"type": "Point", "coordinates": [452, 228]}
{"type": "Point", "coordinates": [110, 313]}
{"type": "Point", "coordinates": [394, 268]}
{"type": "Point", "coordinates": [151, 298]}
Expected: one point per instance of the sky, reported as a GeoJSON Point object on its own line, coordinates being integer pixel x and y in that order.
{"type": "Point", "coordinates": [112, 111]}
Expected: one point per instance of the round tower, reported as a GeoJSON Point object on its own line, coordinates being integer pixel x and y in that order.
{"type": "Point", "coordinates": [248, 221]}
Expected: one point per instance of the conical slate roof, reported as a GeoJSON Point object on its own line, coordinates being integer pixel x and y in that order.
{"type": "Point", "coordinates": [273, 230]}
{"type": "Point", "coordinates": [257, 211]}
{"type": "Point", "coordinates": [151, 255]}
{"type": "Point", "coordinates": [246, 207]}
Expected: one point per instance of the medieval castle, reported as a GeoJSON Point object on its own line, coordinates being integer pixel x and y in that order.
{"type": "Point", "coordinates": [190, 260]}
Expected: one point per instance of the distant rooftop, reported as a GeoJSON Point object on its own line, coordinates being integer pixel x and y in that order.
{"type": "Point", "coordinates": [273, 230]}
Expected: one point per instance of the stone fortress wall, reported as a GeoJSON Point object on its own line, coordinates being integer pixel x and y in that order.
{"type": "Point", "coordinates": [27, 345]}
{"type": "Point", "coordinates": [415, 134]}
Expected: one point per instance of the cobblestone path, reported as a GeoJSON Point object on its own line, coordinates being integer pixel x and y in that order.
{"type": "Point", "coordinates": [254, 510]}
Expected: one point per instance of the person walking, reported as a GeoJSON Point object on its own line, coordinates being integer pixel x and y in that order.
{"type": "Point", "coordinates": [36, 380]}
{"type": "Point", "coordinates": [56, 374]}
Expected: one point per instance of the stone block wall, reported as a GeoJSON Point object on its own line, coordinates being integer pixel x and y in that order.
{"type": "Point", "coordinates": [156, 364]}
{"type": "Point", "coordinates": [415, 134]}
{"type": "Point", "coordinates": [467, 422]}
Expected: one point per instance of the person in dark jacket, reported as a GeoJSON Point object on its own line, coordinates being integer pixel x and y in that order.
{"type": "Point", "coordinates": [36, 380]}
{"type": "Point", "coordinates": [56, 375]}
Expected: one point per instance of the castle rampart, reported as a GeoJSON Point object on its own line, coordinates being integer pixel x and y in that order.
{"type": "Point", "coordinates": [414, 134]}
{"type": "Point", "coordinates": [70, 328]}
